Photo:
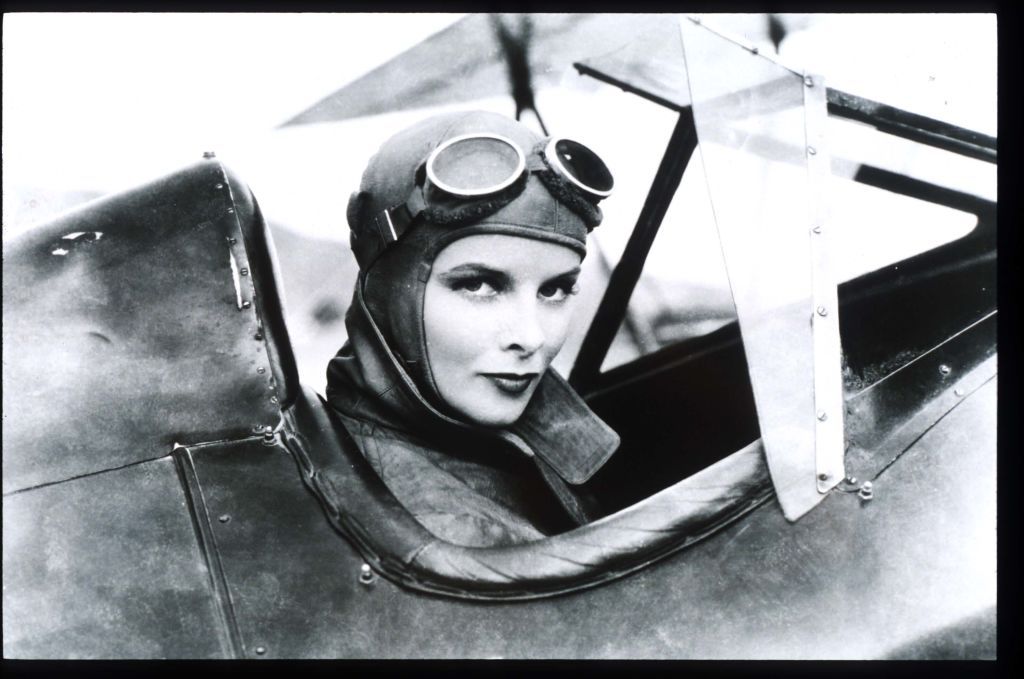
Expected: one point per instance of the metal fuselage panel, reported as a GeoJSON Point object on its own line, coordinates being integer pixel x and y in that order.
{"type": "Point", "coordinates": [129, 325]}
{"type": "Point", "coordinates": [107, 566]}
{"type": "Point", "coordinates": [852, 579]}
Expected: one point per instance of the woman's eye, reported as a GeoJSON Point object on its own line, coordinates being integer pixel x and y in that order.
{"type": "Point", "coordinates": [477, 287]}
{"type": "Point", "coordinates": [558, 292]}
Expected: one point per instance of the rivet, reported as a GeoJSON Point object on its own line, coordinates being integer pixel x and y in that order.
{"type": "Point", "coordinates": [945, 369]}
{"type": "Point", "coordinates": [816, 229]}
{"type": "Point", "coordinates": [243, 272]}
{"type": "Point", "coordinates": [273, 399]}
{"type": "Point", "coordinates": [257, 428]}
{"type": "Point", "coordinates": [365, 574]}
{"type": "Point", "coordinates": [851, 480]}
{"type": "Point", "coordinates": [811, 150]}
{"type": "Point", "coordinates": [218, 186]}
{"type": "Point", "coordinates": [260, 650]}
{"type": "Point", "coordinates": [809, 81]}
{"type": "Point", "coordinates": [246, 304]}
{"type": "Point", "coordinates": [209, 154]}
{"type": "Point", "coordinates": [224, 518]}
{"type": "Point", "coordinates": [822, 416]}
{"type": "Point", "coordinates": [823, 476]}
{"type": "Point", "coordinates": [261, 370]}
{"type": "Point", "coordinates": [231, 210]}
{"type": "Point", "coordinates": [958, 392]}
{"type": "Point", "coordinates": [696, 20]}
{"type": "Point", "coordinates": [232, 241]}
{"type": "Point", "coordinates": [258, 336]}
{"type": "Point", "coordinates": [822, 311]}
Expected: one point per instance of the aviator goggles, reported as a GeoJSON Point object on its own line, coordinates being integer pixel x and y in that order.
{"type": "Point", "coordinates": [471, 176]}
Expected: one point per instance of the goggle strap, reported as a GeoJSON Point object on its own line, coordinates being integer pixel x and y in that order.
{"type": "Point", "coordinates": [535, 163]}
{"type": "Point", "coordinates": [387, 226]}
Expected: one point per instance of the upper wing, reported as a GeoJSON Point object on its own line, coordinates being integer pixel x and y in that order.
{"type": "Point", "coordinates": [468, 61]}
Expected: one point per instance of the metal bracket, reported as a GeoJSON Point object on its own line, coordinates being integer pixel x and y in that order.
{"type": "Point", "coordinates": [828, 385]}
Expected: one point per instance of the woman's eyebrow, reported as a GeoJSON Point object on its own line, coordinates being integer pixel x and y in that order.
{"type": "Point", "coordinates": [473, 268]}
{"type": "Point", "coordinates": [572, 273]}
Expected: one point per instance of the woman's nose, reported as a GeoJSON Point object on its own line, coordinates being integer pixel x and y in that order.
{"type": "Point", "coordinates": [523, 331]}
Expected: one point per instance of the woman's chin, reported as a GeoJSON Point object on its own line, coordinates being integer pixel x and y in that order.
{"type": "Point", "coordinates": [494, 415]}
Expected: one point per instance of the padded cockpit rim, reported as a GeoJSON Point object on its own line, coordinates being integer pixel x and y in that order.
{"type": "Point", "coordinates": [259, 248]}
{"type": "Point", "coordinates": [398, 547]}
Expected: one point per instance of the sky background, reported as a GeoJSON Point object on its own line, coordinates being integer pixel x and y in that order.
{"type": "Point", "coordinates": [98, 103]}
{"type": "Point", "coordinates": [104, 101]}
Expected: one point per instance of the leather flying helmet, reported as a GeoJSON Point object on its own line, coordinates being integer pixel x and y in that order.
{"type": "Point", "coordinates": [453, 176]}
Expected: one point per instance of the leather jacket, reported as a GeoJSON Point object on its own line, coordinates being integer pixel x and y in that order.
{"type": "Point", "coordinates": [469, 485]}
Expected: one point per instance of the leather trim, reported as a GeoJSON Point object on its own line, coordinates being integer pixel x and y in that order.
{"type": "Point", "coordinates": [359, 505]}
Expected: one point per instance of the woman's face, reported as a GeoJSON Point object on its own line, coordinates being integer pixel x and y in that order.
{"type": "Point", "coordinates": [496, 312]}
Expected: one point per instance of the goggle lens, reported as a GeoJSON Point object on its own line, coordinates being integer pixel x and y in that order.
{"type": "Point", "coordinates": [475, 165]}
{"type": "Point", "coordinates": [583, 166]}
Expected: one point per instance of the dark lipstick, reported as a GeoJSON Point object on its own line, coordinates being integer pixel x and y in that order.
{"type": "Point", "coordinates": [511, 383]}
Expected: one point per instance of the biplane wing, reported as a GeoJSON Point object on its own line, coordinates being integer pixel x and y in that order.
{"type": "Point", "coordinates": [468, 60]}
{"type": "Point", "coordinates": [473, 58]}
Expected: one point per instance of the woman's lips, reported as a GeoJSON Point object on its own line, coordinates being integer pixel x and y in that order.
{"type": "Point", "coordinates": [511, 383]}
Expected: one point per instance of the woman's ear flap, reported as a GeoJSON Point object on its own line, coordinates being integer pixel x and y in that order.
{"type": "Point", "coordinates": [356, 212]}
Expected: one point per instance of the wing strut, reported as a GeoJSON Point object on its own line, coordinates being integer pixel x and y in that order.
{"type": "Point", "coordinates": [515, 44]}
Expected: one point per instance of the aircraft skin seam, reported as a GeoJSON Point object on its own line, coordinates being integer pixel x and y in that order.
{"type": "Point", "coordinates": [206, 541]}
{"type": "Point", "coordinates": [85, 475]}
{"type": "Point", "coordinates": [931, 426]}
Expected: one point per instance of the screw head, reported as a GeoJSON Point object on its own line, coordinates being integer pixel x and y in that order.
{"type": "Point", "coordinates": [823, 476]}
{"type": "Point", "coordinates": [218, 186]}
{"type": "Point", "coordinates": [822, 311]}
{"type": "Point", "coordinates": [209, 154]}
{"type": "Point", "coordinates": [246, 304]}
{"type": "Point", "coordinates": [231, 241]}
{"type": "Point", "coordinates": [243, 271]}
{"type": "Point", "coordinates": [224, 518]}
{"type": "Point", "coordinates": [365, 574]}
{"type": "Point", "coordinates": [851, 479]}
{"type": "Point", "coordinates": [260, 650]}
{"type": "Point", "coordinates": [945, 369]}
{"type": "Point", "coordinates": [958, 392]}
{"type": "Point", "coordinates": [811, 150]}
{"type": "Point", "coordinates": [816, 229]}
{"type": "Point", "coordinates": [261, 370]}
{"type": "Point", "coordinates": [258, 336]}
{"type": "Point", "coordinates": [822, 416]}
{"type": "Point", "coordinates": [231, 210]}
{"type": "Point", "coordinates": [809, 81]}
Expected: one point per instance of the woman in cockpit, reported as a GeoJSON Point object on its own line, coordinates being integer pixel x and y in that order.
{"type": "Point", "coordinates": [469, 231]}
